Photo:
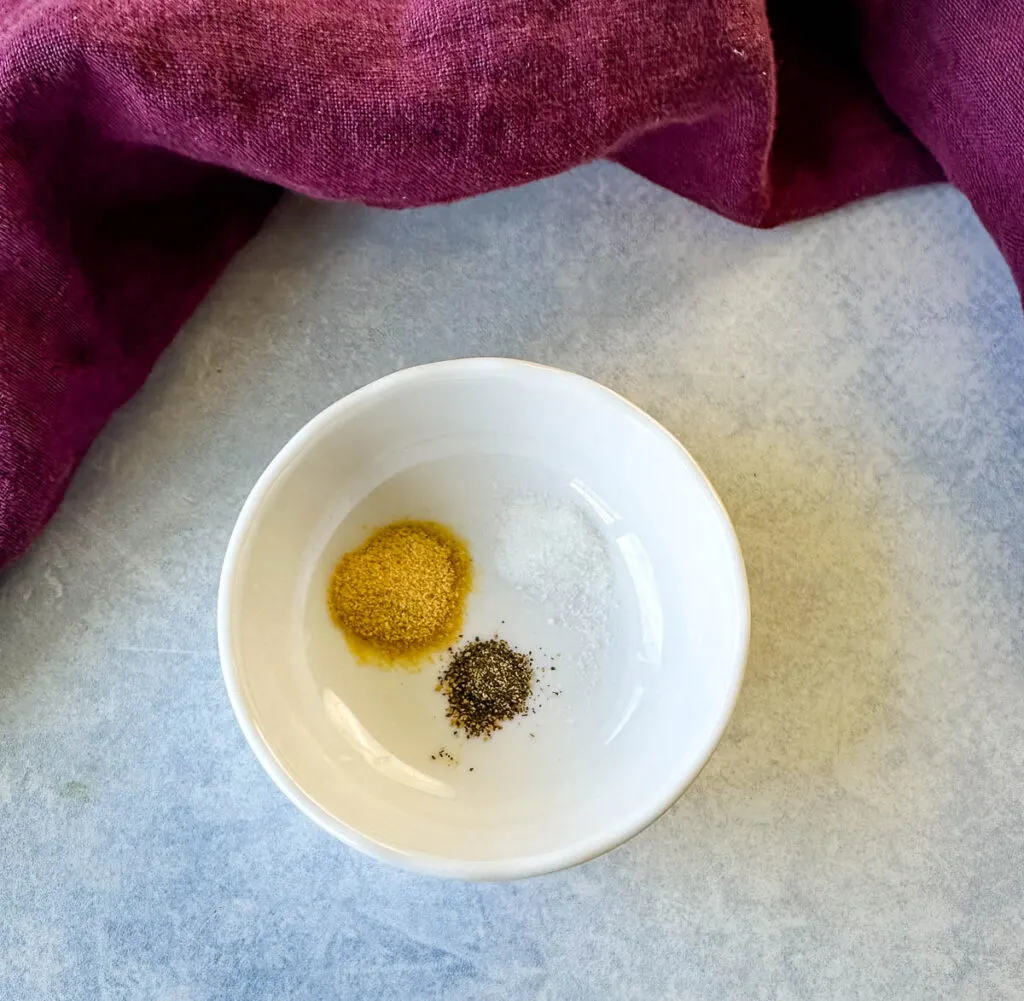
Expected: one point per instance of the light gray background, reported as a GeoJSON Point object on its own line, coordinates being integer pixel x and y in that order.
{"type": "Point", "coordinates": [854, 386]}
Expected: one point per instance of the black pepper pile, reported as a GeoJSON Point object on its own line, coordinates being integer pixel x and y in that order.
{"type": "Point", "coordinates": [487, 683]}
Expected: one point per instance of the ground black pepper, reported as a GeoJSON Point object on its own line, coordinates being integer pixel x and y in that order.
{"type": "Point", "coordinates": [487, 683]}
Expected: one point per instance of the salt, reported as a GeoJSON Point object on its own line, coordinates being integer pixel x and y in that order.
{"type": "Point", "coordinates": [549, 549]}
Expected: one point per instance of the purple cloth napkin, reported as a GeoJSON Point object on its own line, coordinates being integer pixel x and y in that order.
{"type": "Point", "coordinates": [142, 142]}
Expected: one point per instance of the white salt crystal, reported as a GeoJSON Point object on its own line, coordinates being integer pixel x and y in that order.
{"type": "Point", "coordinates": [549, 549]}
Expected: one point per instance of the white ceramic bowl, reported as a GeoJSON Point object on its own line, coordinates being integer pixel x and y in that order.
{"type": "Point", "coordinates": [355, 747]}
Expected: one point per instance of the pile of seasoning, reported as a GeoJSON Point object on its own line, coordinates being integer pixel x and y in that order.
{"type": "Point", "coordinates": [487, 683]}
{"type": "Point", "coordinates": [401, 595]}
{"type": "Point", "coordinates": [549, 550]}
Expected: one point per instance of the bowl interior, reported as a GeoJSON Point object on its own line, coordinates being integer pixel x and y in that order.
{"type": "Point", "coordinates": [629, 712]}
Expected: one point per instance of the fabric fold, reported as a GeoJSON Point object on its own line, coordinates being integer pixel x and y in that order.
{"type": "Point", "coordinates": [142, 142]}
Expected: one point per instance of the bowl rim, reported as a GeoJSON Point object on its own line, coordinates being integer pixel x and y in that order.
{"type": "Point", "coordinates": [609, 837]}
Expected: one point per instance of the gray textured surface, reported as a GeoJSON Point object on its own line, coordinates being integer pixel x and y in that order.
{"type": "Point", "coordinates": [855, 388]}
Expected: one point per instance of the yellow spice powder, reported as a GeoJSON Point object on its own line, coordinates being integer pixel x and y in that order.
{"type": "Point", "coordinates": [402, 593]}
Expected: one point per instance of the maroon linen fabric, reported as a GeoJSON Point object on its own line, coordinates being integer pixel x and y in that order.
{"type": "Point", "coordinates": [143, 141]}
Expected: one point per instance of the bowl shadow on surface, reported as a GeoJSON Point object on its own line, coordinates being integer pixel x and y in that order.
{"type": "Point", "coordinates": [826, 608]}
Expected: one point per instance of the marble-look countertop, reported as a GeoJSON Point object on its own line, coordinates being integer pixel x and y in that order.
{"type": "Point", "coordinates": [854, 387]}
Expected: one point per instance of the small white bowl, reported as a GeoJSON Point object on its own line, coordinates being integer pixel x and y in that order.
{"type": "Point", "coordinates": [356, 747]}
